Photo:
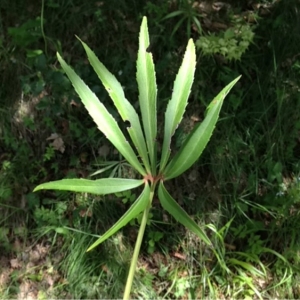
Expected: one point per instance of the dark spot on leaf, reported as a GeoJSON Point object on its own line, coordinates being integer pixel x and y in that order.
{"type": "Point", "coordinates": [149, 49]}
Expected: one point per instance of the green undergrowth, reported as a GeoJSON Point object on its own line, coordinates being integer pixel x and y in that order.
{"type": "Point", "coordinates": [244, 192]}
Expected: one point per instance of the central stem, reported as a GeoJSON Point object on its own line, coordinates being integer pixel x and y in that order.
{"type": "Point", "coordinates": [137, 247]}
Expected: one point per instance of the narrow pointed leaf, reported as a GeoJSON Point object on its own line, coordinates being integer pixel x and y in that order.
{"type": "Point", "coordinates": [104, 120]}
{"type": "Point", "coordinates": [247, 266]}
{"type": "Point", "coordinates": [124, 107]}
{"type": "Point", "coordinates": [136, 208]}
{"type": "Point", "coordinates": [107, 167]}
{"type": "Point", "coordinates": [198, 138]}
{"type": "Point", "coordinates": [174, 209]}
{"type": "Point", "coordinates": [147, 91]}
{"type": "Point", "coordinates": [100, 186]}
{"type": "Point", "coordinates": [177, 104]}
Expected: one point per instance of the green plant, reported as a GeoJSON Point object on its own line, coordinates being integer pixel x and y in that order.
{"type": "Point", "coordinates": [188, 13]}
{"type": "Point", "coordinates": [231, 43]}
{"type": "Point", "coordinates": [5, 189]}
{"type": "Point", "coordinates": [154, 174]}
{"type": "Point", "coordinates": [153, 237]}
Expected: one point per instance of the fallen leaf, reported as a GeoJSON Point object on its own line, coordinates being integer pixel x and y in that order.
{"type": "Point", "coordinates": [105, 269]}
{"type": "Point", "coordinates": [179, 255]}
{"type": "Point", "coordinates": [4, 278]}
{"type": "Point", "coordinates": [34, 256]}
{"type": "Point", "coordinates": [43, 250]}
{"type": "Point", "coordinates": [229, 246]}
{"type": "Point", "coordinates": [86, 213]}
{"type": "Point", "coordinates": [49, 279]}
{"type": "Point", "coordinates": [58, 143]}
{"type": "Point", "coordinates": [15, 263]}
{"type": "Point", "coordinates": [27, 291]}
{"type": "Point", "coordinates": [53, 136]}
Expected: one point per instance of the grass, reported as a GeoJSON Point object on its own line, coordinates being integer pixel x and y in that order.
{"type": "Point", "coordinates": [244, 190]}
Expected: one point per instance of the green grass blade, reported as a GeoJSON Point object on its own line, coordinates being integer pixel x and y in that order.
{"type": "Point", "coordinates": [247, 266]}
{"type": "Point", "coordinates": [173, 14]}
{"type": "Point", "coordinates": [173, 208]}
{"type": "Point", "coordinates": [104, 120]}
{"type": "Point", "coordinates": [244, 279]}
{"type": "Point", "coordinates": [124, 107]}
{"type": "Point", "coordinates": [198, 138]}
{"type": "Point", "coordinates": [136, 208]}
{"type": "Point", "coordinates": [178, 102]}
{"type": "Point", "coordinates": [147, 91]}
{"type": "Point", "coordinates": [100, 186]}
{"type": "Point", "coordinates": [107, 167]}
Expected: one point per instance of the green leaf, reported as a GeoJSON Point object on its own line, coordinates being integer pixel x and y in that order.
{"type": "Point", "coordinates": [104, 120]}
{"type": "Point", "coordinates": [62, 230]}
{"type": "Point", "coordinates": [124, 107]}
{"type": "Point", "coordinates": [136, 208]}
{"type": "Point", "coordinates": [247, 266]}
{"type": "Point", "coordinates": [106, 167]}
{"type": "Point", "coordinates": [178, 102]}
{"type": "Point", "coordinates": [197, 140]}
{"type": "Point", "coordinates": [173, 14]}
{"type": "Point", "coordinates": [173, 208]}
{"type": "Point", "coordinates": [100, 186]}
{"type": "Point", "coordinates": [147, 91]}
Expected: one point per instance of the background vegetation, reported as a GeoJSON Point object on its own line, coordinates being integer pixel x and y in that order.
{"type": "Point", "coordinates": [244, 190]}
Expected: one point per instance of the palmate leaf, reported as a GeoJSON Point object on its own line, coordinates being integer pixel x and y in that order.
{"type": "Point", "coordinates": [177, 104]}
{"type": "Point", "coordinates": [147, 91]}
{"type": "Point", "coordinates": [174, 209]}
{"type": "Point", "coordinates": [104, 120]}
{"type": "Point", "coordinates": [100, 187]}
{"type": "Point", "coordinates": [197, 140]}
{"type": "Point", "coordinates": [136, 208]}
{"type": "Point", "coordinates": [124, 107]}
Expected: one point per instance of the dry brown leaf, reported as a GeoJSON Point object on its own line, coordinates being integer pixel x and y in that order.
{"type": "Point", "coordinates": [30, 266]}
{"type": "Point", "coordinates": [179, 255]}
{"type": "Point", "coordinates": [105, 269]}
{"type": "Point", "coordinates": [15, 263]}
{"type": "Point", "coordinates": [183, 274]}
{"type": "Point", "coordinates": [229, 246]}
{"type": "Point", "coordinates": [38, 253]}
{"type": "Point", "coordinates": [86, 213]}
{"type": "Point", "coordinates": [43, 250]}
{"type": "Point", "coordinates": [49, 279]}
{"type": "Point", "coordinates": [28, 291]}
{"type": "Point", "coordinates": [53, 136]}
{"type": "Point", "coordinates": [4, 278]}
{"type": "Point", "coordinates": [58, 143]}
{"type": "Point", "coordinates": [34, 256]}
